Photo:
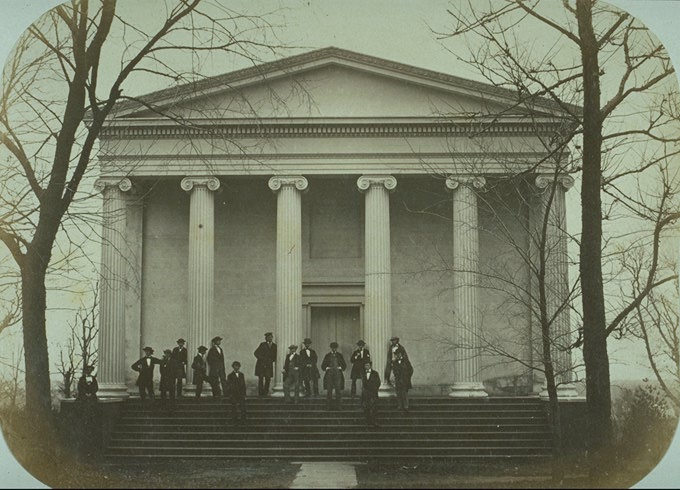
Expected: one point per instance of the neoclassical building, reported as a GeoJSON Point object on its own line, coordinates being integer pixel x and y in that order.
{"type": "Point", "coordinates": [335, 196]}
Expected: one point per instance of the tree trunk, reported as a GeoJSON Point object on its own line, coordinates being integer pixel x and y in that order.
{"type": "Point", "coordinates": [36, 359]}
{"type": "Point", "coordinates": [594, 327]}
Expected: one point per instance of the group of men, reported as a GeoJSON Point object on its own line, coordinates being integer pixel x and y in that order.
{"type": "Point", "coordinates": [299, 371]}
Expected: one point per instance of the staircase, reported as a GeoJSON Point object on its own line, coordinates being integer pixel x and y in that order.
{"type": "Point", "coordinates": [435, 428]}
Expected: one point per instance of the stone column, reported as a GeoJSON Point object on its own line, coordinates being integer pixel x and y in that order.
{"type": "Point", "coordinates": [377, 269]}
{"type": "Point", "coordinates": [552, 189]}
{"type": "Point", "coordinates": [112, 366]}
{"type": "Point", "coordinates": [467, 379]}
{"type": "Point", "coordinates": [289, 324]}
{"type": "Point", "coordinates": [201, 261]}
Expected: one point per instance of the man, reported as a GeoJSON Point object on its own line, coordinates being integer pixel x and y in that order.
{"type": "Point", "coordinates": [87, 386]}
{"type": "Point", "coordinates": [310, 372]}
{"type": "Point", "coordinates": [217, 373]}
{"type": "Point", "coordinates": [333, 364]}
{"type": "Point", "coordinates": [291, 374]}
{"type": "Point", "coordinates": [236, 388]}
{"type": "Point", "coordinates": [169, 371]}
{"type": "Point", "coordinates": [392, 350]}
{"type": "Point", "coordinates": [200, 366]}
{"type": "Point", "coordinates": [264, 367]}
{"type": "Point", "coordinates": [181, 357]}
{"type": "Point", "coordinates": [370, 384]}
{"type": "Point", "coordinates": [358, 360]}
{"type": "Point", "coordinates": [402, 379]}
{"type": "Point", "coordinates": [144, 367]}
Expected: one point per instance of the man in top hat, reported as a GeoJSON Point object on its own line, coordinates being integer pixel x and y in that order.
{"type": "Point", "coordinates": [370, 384]}
{"type": "Point", "coordinates": [264, 367]}
{"type": "Point", "coordinates": [333, 364]}
{"type": "Point", "coordinates": [200, 367]}
{"type": "Point", "coordinates": [87, 386]}
{"type": "Point", "coordinates": [392, 351]}
{"type": "Point", "coordinates": [309, 374]}
{"type": "Point", "coordinates": [291, 373]}
{"type": "Point", "coordinates": [359, 358]}
{"type": "Point", "coordinates": [236, 389]}
{"type": "Point", "coordinates": [169, 371]}
{"type": "Point", "coordinates": [181, 357]}
{"type": "Point", "coordinates": [217, 373]}
{"type": "Point", "coordinates": [144, 367]}
{"type": "Point", "coordinates": [403, 370]}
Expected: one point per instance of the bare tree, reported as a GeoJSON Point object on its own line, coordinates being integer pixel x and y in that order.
{"type": "Point", "coordinates": [65, 67]}
{"type": "Point", "coordinates": [607, 62]}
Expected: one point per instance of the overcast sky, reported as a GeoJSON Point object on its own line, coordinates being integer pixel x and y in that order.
{"type": "Point", "coordinates": [398, 30]}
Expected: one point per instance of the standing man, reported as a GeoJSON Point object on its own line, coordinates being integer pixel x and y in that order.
{"type": "Point", "coordinates": [145, 369]}
{"type": "Point", "coordinates": [392, 350]}
{"type": "Point", "coordinates": [200, 367]}
{"type": "Point", "coordinates": [291, 374]}
{"type": "Point", "coordinates": [264, 367]}
{"type": "Point", "coordinates": [310, 371]}
{"type": "Point", "coordinates": [217, 373]}
{"type": "Point", "coordinates": [333, 364]}
{"type": "Point", "coordinates": [370, 384]}
{"type": "Point", "coordinates": [358, 360]}
{"type": "Point", "coordinates": [236, 388]}
{"type": "Point", "coordinates": [402, 379]}
{"type": "Point", "coordinates": [169, 370]}
{"type": "Point", "coordinates": [181, 357]}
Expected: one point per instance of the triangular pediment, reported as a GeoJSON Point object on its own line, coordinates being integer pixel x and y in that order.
{"type": "Point", "coordinates": [333, 83]}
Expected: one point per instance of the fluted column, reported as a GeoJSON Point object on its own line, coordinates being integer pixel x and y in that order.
{"type": "Point", "coordinates": [377, 268]}
{"type": "Point", "coordinates": [467, 380]}
{"type": "Point", "coordinates": [112, 367]}
{"type": "Point", "coordinates": [201, 259]}
{"type": "Point", "coordinates": [289, 324]}
{"type": "Point", "coordinates": [557, 275]}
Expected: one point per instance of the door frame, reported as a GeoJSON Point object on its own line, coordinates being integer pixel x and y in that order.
{"type": "Point", "coordinates": [331, 294]}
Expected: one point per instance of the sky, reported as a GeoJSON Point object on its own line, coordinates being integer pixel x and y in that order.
{"type": "Point", "coordinates": [397, 30]}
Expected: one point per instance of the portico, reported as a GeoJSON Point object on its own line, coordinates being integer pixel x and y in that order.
{"type": "Point", "coordinates": [373, 204]}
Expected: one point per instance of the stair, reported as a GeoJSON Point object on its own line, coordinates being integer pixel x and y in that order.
{"type": "Point", "coordinates": [435, 428]}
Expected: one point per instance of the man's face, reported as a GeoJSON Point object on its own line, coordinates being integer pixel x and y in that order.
{"type": "Point", "coordinates": [147, 353]}
{"type": "Point", "coordinates": [218, 342]}
{"type": "Point", "coordinates": [394, 341]}
{"type": "Point", "coordinates": [180, 345]}
{"type": "Point", "coordinates": [268, 338]}
{"type": "Point", "coordinates": [237, 368]}
{"type": "Point", "coordinates": [367, 367]}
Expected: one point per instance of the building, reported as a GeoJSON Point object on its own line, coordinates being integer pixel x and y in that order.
{"type": "Point", "coordinates": [337, 196]}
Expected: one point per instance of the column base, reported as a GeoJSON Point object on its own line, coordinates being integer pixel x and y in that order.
{"type": "Point", "coordinates": [277, 391]}
{"type": "Point", "coordinates": [474, 389]}
{"type": "Point", "coordinates": [386, 390]}
{"type": "Point", "coordinates": [567, 390]}
{"type": "Point", "coordinates": [113, 391]}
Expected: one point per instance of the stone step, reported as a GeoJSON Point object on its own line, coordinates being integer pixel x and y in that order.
{"type": "Point", "coordinates": [348, 425]}
{"type": "Point", "coordinates": [302, 411]}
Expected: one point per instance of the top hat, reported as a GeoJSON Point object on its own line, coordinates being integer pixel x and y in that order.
{"type": "Point", "coordinates": [334, 345]}
{"type": "Point", "coordinates": [394, 338]}
{"type": "Point", "coordinates": [361, 343]}
{"type": "Point", "coordinates": [307, 341]}
{"type": "Point", "coordinates": [292, 346]}
{"type": "Point", "coordinates": [167, 351]}
{"type": "Point", "coordinates": [148, 349]}
{"type": "Point", "coordinates": [215, 339]}
{"type": "Point", "coordinates": [181, 341]}
{"type": "Point", "coordinates": [202, 348]}
{"type": "Point", "coordinates": [268, 334]}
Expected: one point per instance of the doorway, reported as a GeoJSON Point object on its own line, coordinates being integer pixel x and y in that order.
{"type": "Point", "coordinates": [341, 324]}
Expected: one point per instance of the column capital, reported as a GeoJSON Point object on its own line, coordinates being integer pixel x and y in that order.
{"type": "Point", "coordinates": [212, 183]}
{"type": "Point", "coordinates": [366, 181]}
{"type": "Point", "coordinates": [124, 184]}
{"type": "Point", "coordinates": [544, 180]}
{"type": "Point", "coordinates": [473, 181]}
{"type": "Point", "coordinates": [278, 181]}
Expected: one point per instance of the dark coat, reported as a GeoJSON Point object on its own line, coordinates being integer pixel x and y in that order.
{"type": "Point", "coordinates": [289, 365]}
{"type": "Point", "coordinates": [308, 363]}
{"type": "Point", "coordinates": [236, 385]}
{"type": "Point", "coordinates": [182, 357]}
{"type": "Point", "coordinates": [390, 354]}
{"type": "Point", "coordinates": [370, 386]}
{"type": "Point", "coordinates": [87, 388]}
{"type": "Point", "coordinates": [333, 377]}
{"type": "Point", "coordinates": [169, 372]}
{"type": "Point", "coordinates": [266, 357]}
{"type": "Point", "coordinates": [199, 365]}
{"type": "Point", "coordinates": [215, 360]}
{"type": "Point", "coordinates": [145, 370]}
{"type": "Point", "coordinates": [358, 362]}
{"type": "Point", "coordinates": [403, 371]}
